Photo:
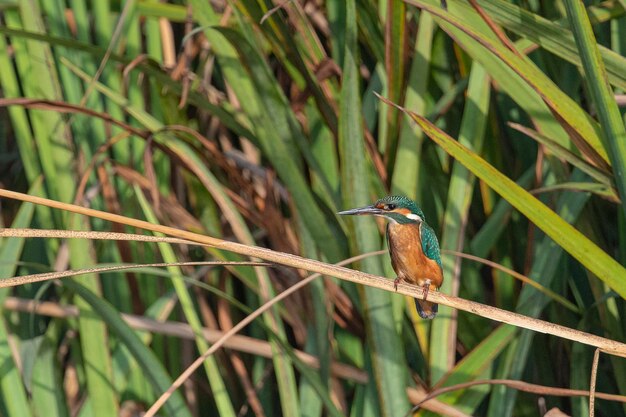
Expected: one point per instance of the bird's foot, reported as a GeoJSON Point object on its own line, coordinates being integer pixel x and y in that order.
{"type": "Point", "coordinates": [426, 288]}
{"type": "Point", "coordinates": [395, 283]}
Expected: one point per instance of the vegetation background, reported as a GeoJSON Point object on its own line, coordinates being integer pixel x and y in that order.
{"type": "Point", "coordinates": [256, 121]}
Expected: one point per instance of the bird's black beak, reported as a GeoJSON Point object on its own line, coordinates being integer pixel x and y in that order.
{"type": "Point", "coordinates": [372, 210]}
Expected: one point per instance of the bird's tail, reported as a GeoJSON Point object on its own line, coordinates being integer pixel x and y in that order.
{"type": "Point", "coordinates": [426, 309]}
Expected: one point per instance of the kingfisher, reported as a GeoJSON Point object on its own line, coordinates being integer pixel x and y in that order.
{"type": "Point", "coordinates": [413, 246]}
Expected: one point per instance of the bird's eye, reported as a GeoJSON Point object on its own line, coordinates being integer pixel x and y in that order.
{"type": "Point", "coordinates": [391, 206]}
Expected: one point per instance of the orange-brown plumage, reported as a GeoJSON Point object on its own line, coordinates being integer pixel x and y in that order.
{"type": "Point", "coordinates": [410, 263]}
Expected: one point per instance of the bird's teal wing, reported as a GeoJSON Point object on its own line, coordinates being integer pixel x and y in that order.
{"type": "Point", "coordinates": [430, 244]}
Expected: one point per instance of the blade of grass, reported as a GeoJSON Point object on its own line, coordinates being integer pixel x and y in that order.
{"type": "Point", "coordinates": [14, 399]}
{"type": "Point", "coordinates": [48, 128]}
{"type": "Point", "coordinates": [18, 116]}
{"type": "Point", "coordinates": [71, 87]}
{"type": "Point", "coordinates": [385, 344]}
{"type": "Point", "coordinates": [531, 302]}
{"type": "Point", "coordinates": [395, 66]}
{"type": "Point", "coordinates": [406, 175]}
{"type": "Point", "coordinates": [487, 237]}
{"type": "Point", "coordinates": [590, 187]}
{"type": "Point", "coordinates": [218, 387]}
{"type": "Point", "coordinates": [44, 381]}
{"type": "Point", "coordinates": [173, 272]}
{"type": "Point", "coordinates": [318, 342]}
{"type": "Point", "coordinates": [12, 391]}
{"type": "Point", "coordinates": [108, 34]}
{"type": "Point", "coordinates": [94, 338]}
{"type": "Point", "coordinates": [472, 132]}
{"type": "Point", "coordinates": [48, 395]}
{"type": "Point", "coordinates": [597, 81]}
{"type": "Point", "coordinates": [53, 141]}
{"type": "Point", "coordinates": [171, 12]}
{"type": "Point", "coordinates": [564, 234]}
{"type": "Point", "coordinates": [527, 387]}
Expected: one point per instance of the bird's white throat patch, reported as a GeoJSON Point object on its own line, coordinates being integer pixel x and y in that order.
{"type": "Point", "coordinates": [414, 216]}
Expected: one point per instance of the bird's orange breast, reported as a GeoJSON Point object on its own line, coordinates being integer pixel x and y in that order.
{"type": "Point", "coordinates": [408, 258]}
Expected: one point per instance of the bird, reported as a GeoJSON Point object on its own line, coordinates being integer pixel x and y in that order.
{"type": "Point", "coordinates": [413, 246]}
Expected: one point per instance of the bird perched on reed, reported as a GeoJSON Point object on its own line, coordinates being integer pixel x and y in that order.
{"type": "Point", "coordinates": [413, 246]}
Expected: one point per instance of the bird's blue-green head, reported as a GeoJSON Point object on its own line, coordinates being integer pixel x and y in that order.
{"type": "Point", "coordinates": [395, 208]}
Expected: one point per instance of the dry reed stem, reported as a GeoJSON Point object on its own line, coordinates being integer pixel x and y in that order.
{"type": "Point", "coordinates": [95, 235]}
{"type": "Point", "coordinates": [240, 343]}
{"type": "Point", "coordinates": [418, 394]}
{"type": "Point", "coordinates": [526, 387]}
{"type": "Point", "coordinates": [592, 383]}
{"type": "Point", "coordinates": [47, 276]}
{"type": "Point", "coordinates": [85, 234]}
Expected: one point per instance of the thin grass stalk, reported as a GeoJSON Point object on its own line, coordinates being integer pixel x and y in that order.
{"type": "Point", "coordinates": [614, 132]}
{"type": "Point", "coordinates": [473, 125]}
{"type": "Point", "coordinates": [386, 350]}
